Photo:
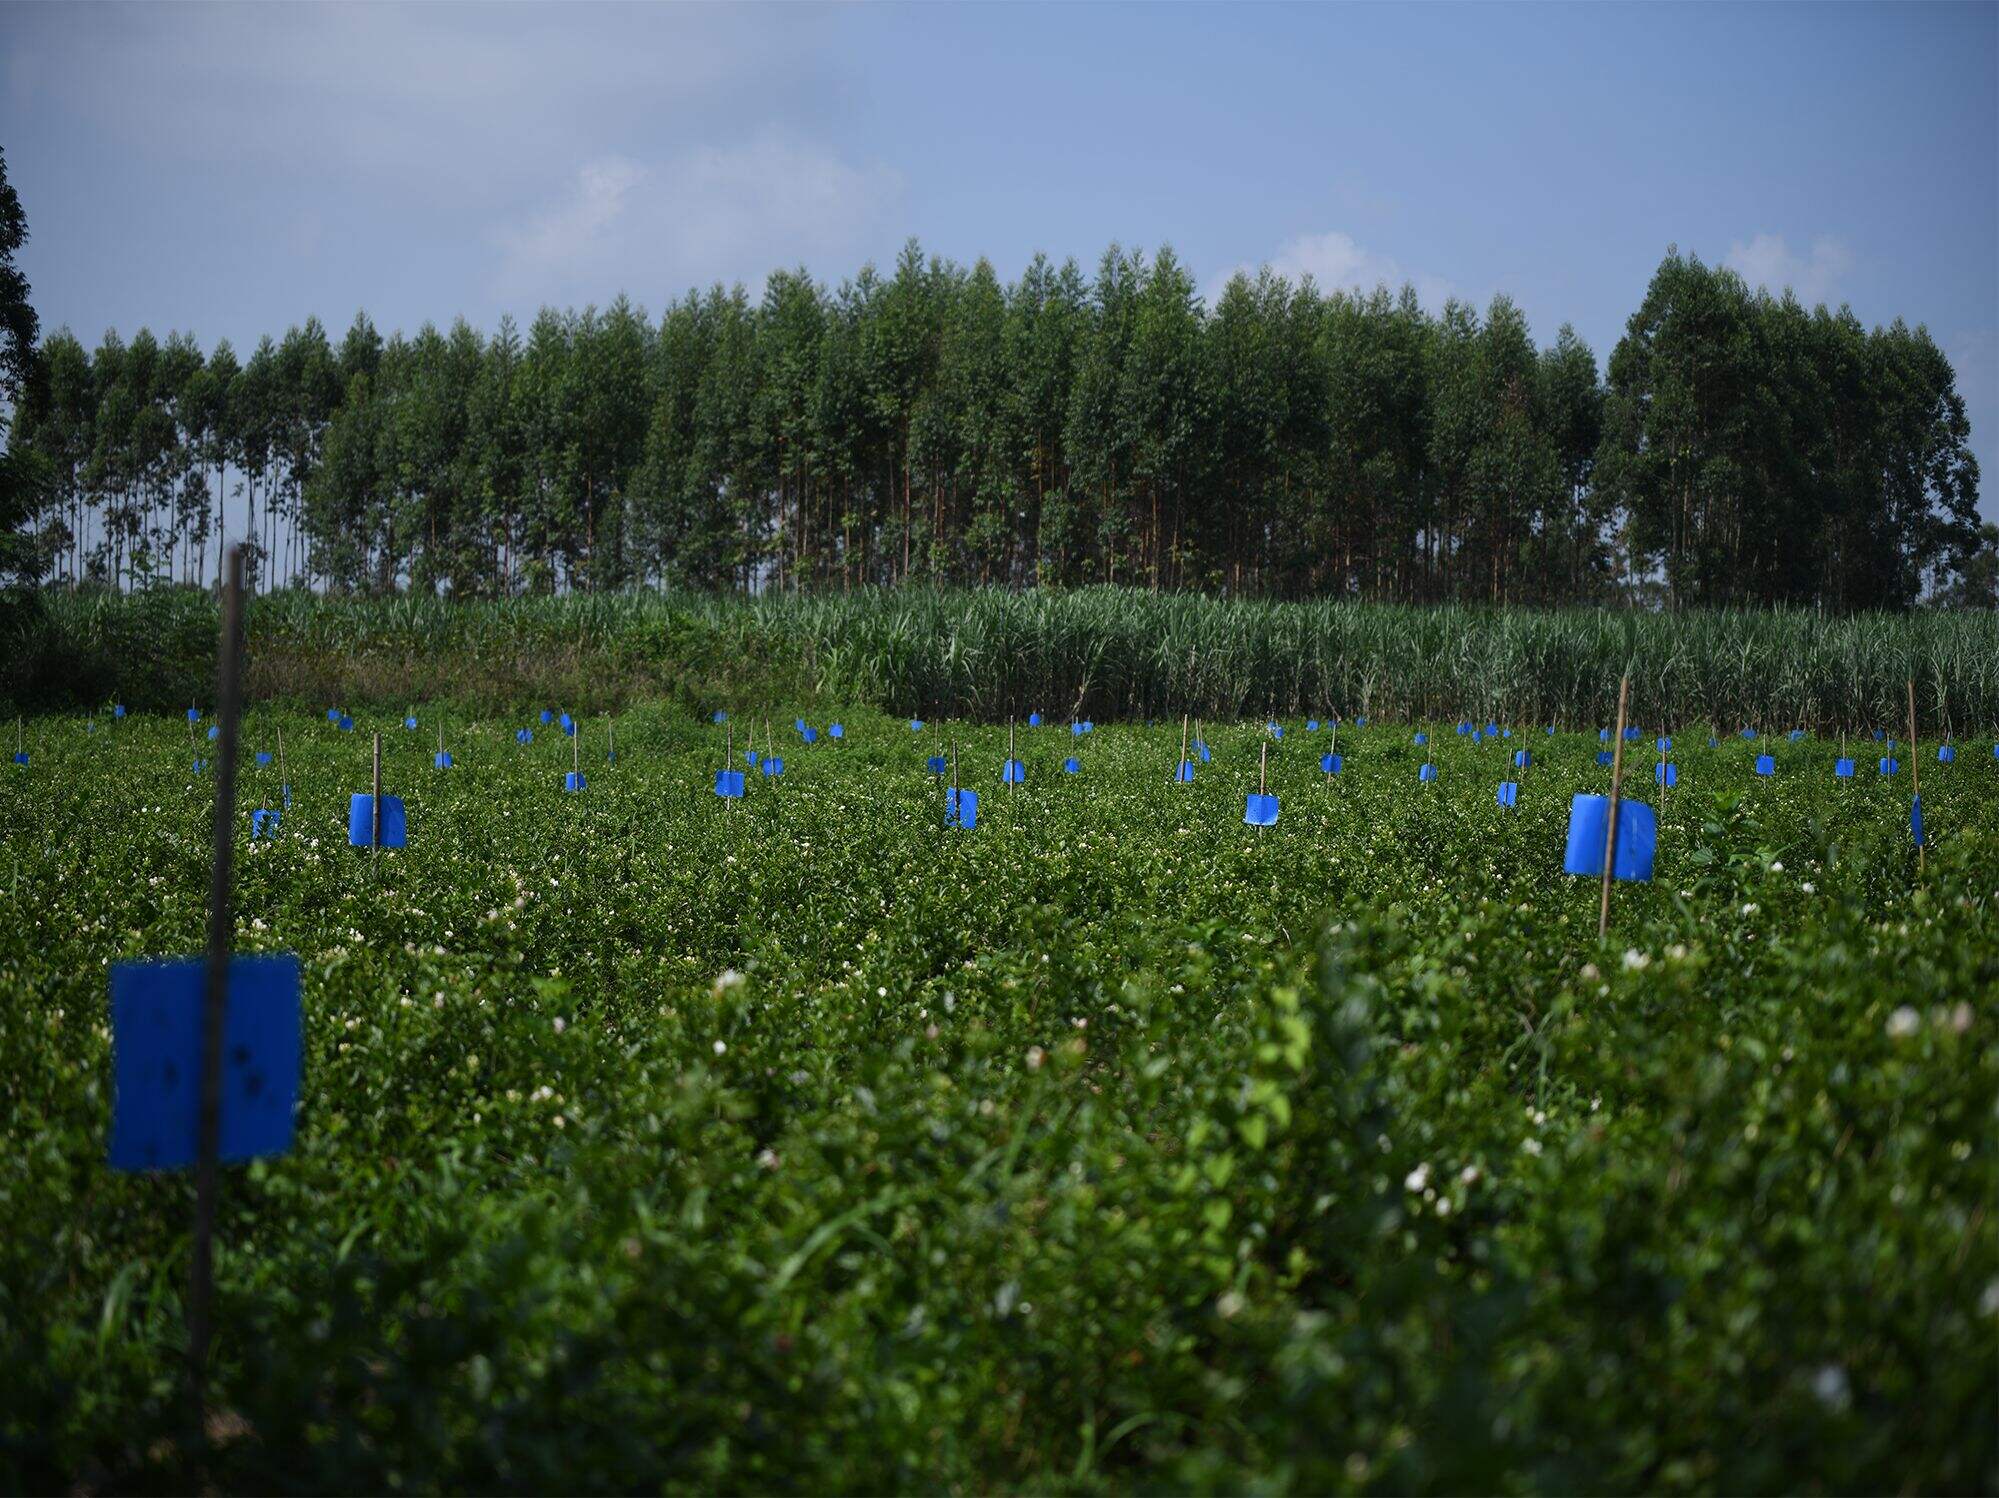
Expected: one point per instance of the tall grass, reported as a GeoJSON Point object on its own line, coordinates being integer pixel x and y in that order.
{"type": "Point", "coordinates": [1101, 653]}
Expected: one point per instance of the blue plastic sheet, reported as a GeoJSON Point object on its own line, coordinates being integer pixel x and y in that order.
{"type": "Point", "coordinates": [361, 817]}
{"type": "Point", "coordinates": [1184, 772]}
{"type": "Point", "coordinates": [1013, 772]}
{"type": "Point", "coordinates": [1259, 811]}
{"type": "Point", "coordinates": [442, 759]}
{"type": "Point", "coordinates": [1916, 819]}
{"type": "Point", "coordinates": [1946, 753]}
{"type": "Point", "coordinates": [1522, 759]}
{"type": "Point", "coordinates": [1427, 772]}
{"type": "Point", "coordinates": [1843, 768]}
{"type": "Point", "coordinates": [836, 731]}
{"type": "Point", "coordinates": [1766, 764]}
{"type": "Point", "coordinates": [157, 1011]}
{"type": "Point", "coordinates": [1890, 766]}
{"type": "Point", "coordinates": [1637, 838]}
{"type": "Point", "coordinates": [809, 734]}
{"type": "Point", "coordinates": [1603, 757]}
{"type": "Point", "coordinates": [1666, 773]}
{"type": "Point", "coordinates": [346, 724]}
{"type": "Point", "coordinates": [773, 765]}
{"type": "Point", "coordinates": [938, 764]}
{"type": "Point", "coordinates": [1332, 764]}
{"type": "Point", "coordinates": [729, 783]}
{"type": "Point", "coordinates": [1034, 720]}
{"type": "Point", "coordinates": [573, 780]}
{"type": "Point", "coordinates": [961, 808]}
{"type": "Point", "coordinates": [1509, 793]}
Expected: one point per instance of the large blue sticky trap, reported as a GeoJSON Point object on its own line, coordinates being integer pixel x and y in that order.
{"type": "Point", "coordinates": [1890, 766]}
{"type": "Point", "coordinates": [361, 816]}
{"type": "Point", "coordinates": [729, 783]}
{"type": "Point", "coordinates": [1072, 766]}
{"type": "Point", "coordinates": [1946, 753]}
{"type": "Point", "coordinates": [263, 823]}
{"type": "Point", "coordinates": [961, 808]}
{"type": "Point", "coordinates": [1427, 772]}
{"type": "Point", "coordinates": [1666, 773]}
{"type": "Point", "coordinates": [1509, 793]}
{"type": "Point", "coordinates": [809, 734]}
{"type": "Point", "coordinates": [1332, 763]}
{"type": "Point", "coordinates": [1633, 735]}
{"type": "Point", "coordinates": [1522, 758]}
{"type": "Point", "coordinates": [1259, 811]}
{"type": "Point", "coordinates": [750, 758]}
{"type": "Point", "coordinates": [157, 1010]}
{"type": "Point", "coordinates": [1603, 756]}
{"type": "Point", "coordinates": [1916, 819]}
{"type": "Point", "coordinates": [1076, 729]}
{"type": "Point", "coordinates": [1201, 748]}
{"type": "Point", "coordinates": [1034, 720]}
{"type": "Point", "coordinates": [835, 731]}
{"type": "Point", "coordinates": [1184, 772]}
{"type": "Point", "coordinates": [773, 765]}
{"type": "Point", "coordinates": [442, 759]}
{"type": "Point", "coordinates": [1465, 728]}
{"type": "Point", "coordinates": [1663, 744]}
{"type": "Point", "coordinates": [1013, 772]}
{"type": "Point", "coordinates": [1843, 768]}
{"type": "Point", "coordinates": [1550, 730]}
{"type": "Point", "coordinates": [1766, 764]}
{"type": "Point", "coordinates": [194, 715]}
{"type": "Point", "coordinates": [1637, 838]}
{"type": "Point", "coordinates": [547, 717]}
{"type": "Point", "coordinates": [1749, 733]}
{"type": "Point", "coordinates": [938, 764]}
{"type": "Point", "coordinates": [573, 780]}
{"type": "Point", "coordinates": [346, 724]}
{"type": "Point", "coordinates": [1360, 722]}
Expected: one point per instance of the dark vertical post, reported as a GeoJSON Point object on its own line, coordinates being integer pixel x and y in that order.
{"type": "Point", "coordinates": [375, 801]}
{"type": "Point", "coordinates": [1610, 829]}
{"type": "Point", "coordinates": [221, 932]}
{"type": "Point", "coordinates": [1915, 763]}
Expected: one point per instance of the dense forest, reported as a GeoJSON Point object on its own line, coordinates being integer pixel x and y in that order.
{"type": "Point", "coordinates": [938, 425]}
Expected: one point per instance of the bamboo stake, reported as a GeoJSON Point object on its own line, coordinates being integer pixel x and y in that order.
{"type": "Point", "coordinates": [215, 1007]}
{"type": "Point", "coordinates": [1610, 830]}
{"type": "Point", "coordinates": [1183, 749]}
{"type": "Point", "coordinates": [1262, 767]}
{"type": "Point", "coordinates": [375, 839]}
{"type": "Point", "coordinates": [1009, 756]}
{"type": "Point", "coordinates": [1915, 764]}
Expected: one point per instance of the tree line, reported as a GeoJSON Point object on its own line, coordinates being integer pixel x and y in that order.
{"type": "Point", "coordinates": [936, 424]}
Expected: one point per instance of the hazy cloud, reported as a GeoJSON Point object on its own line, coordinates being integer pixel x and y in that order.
{"type": "Point", "coordinates": [1337, 263]}
{"type": "Point", "coordinates": [1767, 261]}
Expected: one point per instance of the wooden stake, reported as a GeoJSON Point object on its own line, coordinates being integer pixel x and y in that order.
{"type": "Point", "coordinates": [576, 750]}
{"type": "Point", "coordinates": [1262, 767]}
{"type": "Point", "coordinates": [215, 1007]}
{"type": "Point", "coordinates": [1610, 830]}
{"type": "Point", "coordinates": [375, 835]}
{"type": "Point", "coordinates": [1915, 763]}
{"type": "Point", "coordinates": [1009, 755]}
{"type": "Point", "coordinates": [1183, 749]}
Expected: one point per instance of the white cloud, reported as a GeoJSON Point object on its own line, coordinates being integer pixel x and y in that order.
{"type": "Point", "coordinates": [708, 213]}
{"type": "Point", "coordinates": [1337, 263]}
{"type": "Point", "coordinates": [1767, 261]}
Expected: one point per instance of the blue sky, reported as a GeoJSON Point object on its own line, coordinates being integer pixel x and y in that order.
{"type": "Point", "coordinates": [230, 170]}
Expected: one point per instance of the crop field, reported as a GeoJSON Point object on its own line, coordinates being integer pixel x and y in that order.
{"type": "Point", "coordinates": [650, 1140]}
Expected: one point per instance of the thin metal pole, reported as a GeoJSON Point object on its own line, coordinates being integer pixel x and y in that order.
{"type": "Point", "coordinates": [1610, 830]}
{"type": "Point", "coordinates": [1915, 763]}
{"type": "Point", "coordinates": [215, 1007]}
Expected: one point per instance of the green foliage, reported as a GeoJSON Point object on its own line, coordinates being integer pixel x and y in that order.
{"type": "Point", "coordinates": [652, 1143]}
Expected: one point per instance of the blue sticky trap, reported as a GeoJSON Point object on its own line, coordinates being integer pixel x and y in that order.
{"type": "Point", "coordinates": [1637, 838]}
{"type": "Point", "coordinates": [1201, 747]}
{"type": "Point", "coordinates": [1183, 773]}
{"type": "Point", "coordinates": [1076, 729]}
{"type": "Point", "coordinates": [1766, 764]}
{"type": "Point", "coordinates": [1522, 759]}
{"type": "Point", "coordinates": [1464, 728]}
{"type": "Point", "coordinates": [1749, 733]}
{"type": "Point", "coordinates": [1662, 744]}
{"type": "Point", "coordinates": [1916, 819]}
{"type": "Point", "coordinates": [1332, 763]}
{"type": "Point", "coordinates": [1995, 751]}
{"type": "Point", "coordinates": [346, 724]}
{"type": "Point", "coordinates": [916, 725]}
{"type": "Point", "coordinates": [361, 816]}
{"type": "Point", "coordinates": [333, 715]}
{"type": "Point", "coordinates": [524, 736]}
{"type": "Point", "coordinates": [1360, 722]}
{"type": "Point", "coordinates": [1710, 741]}
{"type": "Point", "coordinates": [1603, 757]}
{"type": "Point", "coordinates": [750, 758]}
{"type": "Point", "coordinates": [1666, 773]}
{"type": "Point", "coordinates": [1550, 730]}
{"type": "Point", "coordinates": [286, 791]}
{"type": "Point", "coordinates": [1492, 730]}
{"type": "Point", "coordinates": [810, 735]}
{"type": "Point", "coordinates": [200, 765]}
{"type": "Point", "coordinates": [938, 764]}
{"type": "Point", "coordinates": [1796, 734]}
{"type": "Point", "coordinates": [961, 808]}
{"type": "Point", "coordinates": [1843, 768]}
{"type": "Point", "coordinates": [719, 717]}
{"type": "Point", "coordinates": [1427, 773]}
{"type": "Point", "coordinates": [157, 1013]}
{"type": "Point", "coordinates": [117, 709]}
{"type": "Point", "coordinates": [569, 730]}
{"type": "Point", "coordinates": [1509, 793]}
{"type": "Point", "coordinates": [1259, 811]}
{"type": "Point", "coordinates": [194, 715]}
{"type": "Point", "coordinates": [410, 721]}
{"type": "Point", "coordinates": [547, 717]}
{"type": "Point", "coordinates": [1072, 766]}
{"type": "Point", "coordinates": [1013, 772]}
{"type": "Point", "coordinates": [1311, 725]}
{"type": "Point", "coordinates": [566, 721]}
{"type": "Point", "coordinates": [1890, 766]}
{"type": "Point", "coordinates": [574, 780]}
{"type": "Point", "coordinates": [1891, 744]}
{"type": "Point", "coordinates": [1506, 733]}
{"type": "Point", "coordinates": [1877, 735]}
{"type": "Point", "coordinates": [20, 756]}
{"type": "Point", "coordinates": [214, 732]}
{"type": "Point", "coordinates": [1946, 754]}
{"type": "Point", "coordinates": [1088, 726]}
{"type": "Point", "coordinates": [799, 724]}
{"type": "Point", "coordinates": [1421, 738]}
{"type": "Point", "coordinates": [442, 759]}
{"type": "Point", "coordinates": [1276, 729]}
{"type": "Point", "coordinates": [263, 756]}
{"type": "Point", "coordinates": [263, 823]}
{"type": "Point", "coordinates": [1603, 735]}
{"type": "Point", "coordinates": [1633, 735]}
{"type": "Point", "coordinates": [729, 783]}
{"type": "Point", "coordinates": [1034, 720]}
{"type": "Point", "coordinates": [773, 765]}
{"type": "Point", "coordinates": [835, 731]}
